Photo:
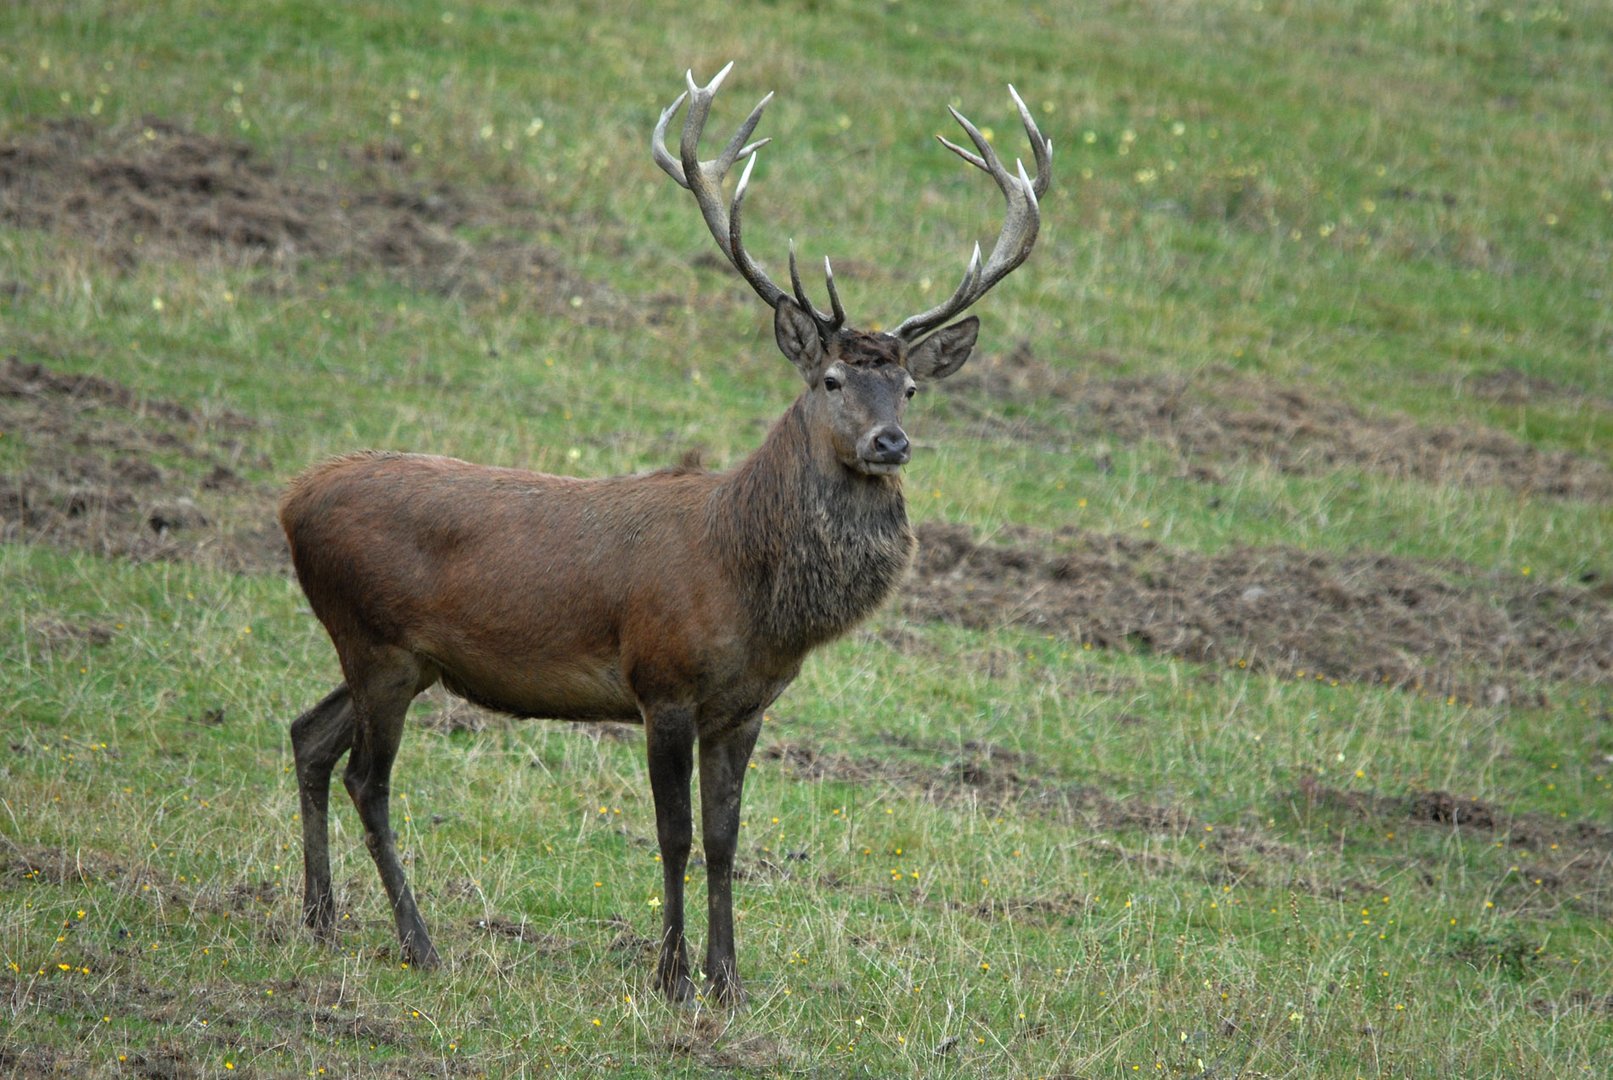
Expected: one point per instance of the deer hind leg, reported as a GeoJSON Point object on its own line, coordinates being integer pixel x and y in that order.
{"type": "Point", "coordinates": [319, 738]}
{"type": "Point", "coordinates": [383, 683]}
{"type": "Point", "coordinates": [723, 762]}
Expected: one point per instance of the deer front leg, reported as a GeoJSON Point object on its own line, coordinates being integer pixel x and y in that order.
{"type": "Point", "coordinates": [723, 761]}
{"type": "Point", "coordinates": [669, 738]}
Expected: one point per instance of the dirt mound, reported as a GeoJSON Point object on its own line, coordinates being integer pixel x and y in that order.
{"type": "Point", "coordinates": [156, 189]}
{"type": "Point", "coordinates": [1218, 417]}
{"type": "Point", "coordinates": [109, 472]}
{"type": "Point", "coordinates": [1365, 617]}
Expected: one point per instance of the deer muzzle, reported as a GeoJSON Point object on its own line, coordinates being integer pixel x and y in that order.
{"type": "Point", "coordinates": [884, 450]}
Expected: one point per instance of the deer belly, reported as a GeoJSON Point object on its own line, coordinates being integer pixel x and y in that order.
{"type": "Point", "coordinates": [571, 691]}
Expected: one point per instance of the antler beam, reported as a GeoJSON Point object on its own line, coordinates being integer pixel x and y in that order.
{"type": "Point", "coordinates": [704, 180]}
{"type": "Point", "coordinates": [1020, 224]}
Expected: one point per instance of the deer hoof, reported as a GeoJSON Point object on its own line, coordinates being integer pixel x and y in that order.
{"type": "Point", "coordinates": [319, 915]}
{"type": "Point", "coordinates": [680, 990]}
{"type": "Point", "coordinates": [726, 992]}
{"type": "Point", "coordinates": [422, 958]}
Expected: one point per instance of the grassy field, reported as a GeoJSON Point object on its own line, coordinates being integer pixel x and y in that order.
{"type": "Point", "coordinates": [1250, 711]}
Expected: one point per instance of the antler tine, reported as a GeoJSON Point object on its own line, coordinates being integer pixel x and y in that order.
{"type": "Point", "coordinates": [704, 178]}
{"type": "Point", "coordinates": [827, 324]}
{"type": "Point", "coordinates": [795, 284]}
{"type": "Point", "coordinates": [834, 295]}
{"type": "Point", "coordinates": [658, 150]}
{"type": "Point", "coordinates": [1041, 146]}
{"type": "Point", "coordinates": [987, 159]}
{"type": "Point", "coordinates": [1020, 223]}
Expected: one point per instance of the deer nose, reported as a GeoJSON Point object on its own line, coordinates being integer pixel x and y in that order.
{"type": "Point", "coordinates": [890, 446]}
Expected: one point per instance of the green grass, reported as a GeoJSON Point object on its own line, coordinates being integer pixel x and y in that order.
{"type": "Point", "coordinates": [1159, 867]}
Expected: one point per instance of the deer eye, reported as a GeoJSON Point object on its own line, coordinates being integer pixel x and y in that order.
{"type": "Point", "coordinates": [831, 383]}
{"type": "Point", "coordinates": [911, 390]}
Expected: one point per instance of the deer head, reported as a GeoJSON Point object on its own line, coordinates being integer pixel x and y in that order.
{"type": "Point", "coordinates": [859, 381]}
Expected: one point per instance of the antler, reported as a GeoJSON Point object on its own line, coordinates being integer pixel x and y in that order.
{"type": "Point", "coordinates": [1019, 226]}
{"type": "Point", "coordinates": [704, 180]}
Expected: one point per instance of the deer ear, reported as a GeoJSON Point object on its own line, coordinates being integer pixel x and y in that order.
{"type": "Point", "coordinates": [797, 335]}
{"type": "Point", "coordinates": [944, 351]}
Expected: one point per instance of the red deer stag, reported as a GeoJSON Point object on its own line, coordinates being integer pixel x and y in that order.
{"type": "Point", "coordinates": [683, 599]}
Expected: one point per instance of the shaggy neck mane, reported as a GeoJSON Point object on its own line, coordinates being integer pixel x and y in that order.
{"type": "Point", "coordinates": [816, 548]}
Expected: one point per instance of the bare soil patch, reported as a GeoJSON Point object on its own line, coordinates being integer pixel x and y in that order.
{"type": "Point", "coordinates": [56, 866]}
{"type": "Point", "coordinates": [1555, 863]}
{"type": "Point", "coordinates": [978, 772]}
{"type": "Point", "coordinates": [718, 1044]}
{"type": "Point", "coordinates": [166, 1041]}
{"type": "Point", "coordinates": [1559, 863]}
{"type": "Point", "coordinates": [525, 932]}
{"type": "Point", "coordinates": [158, 190]}
{"type": "Point", "coordinates": [1218, 417]}
{"type": "Point", "coordinates": [112, 473]}
{"type": "Point", "coordinates": [1510, 386]}
{"type": "Point", "coordinates": [1364, 617]}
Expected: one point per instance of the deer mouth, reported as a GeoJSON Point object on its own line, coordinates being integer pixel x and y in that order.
{"type": "Point", "coordinates": [882, 468]}
{"type": "Point", "coordinates": [884, 461]}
